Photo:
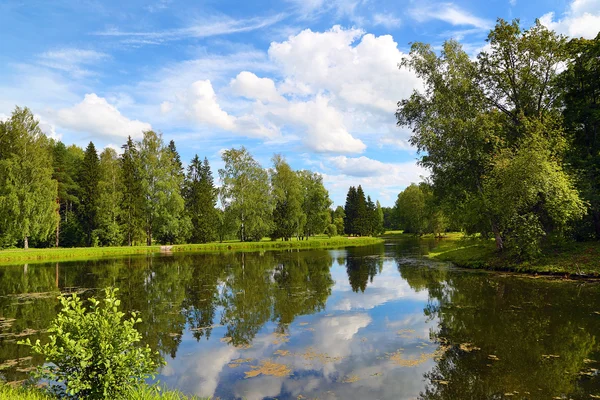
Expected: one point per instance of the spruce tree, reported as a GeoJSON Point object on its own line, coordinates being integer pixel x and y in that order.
{"type": "Point", "coordinates": [350, 211]}
{"type": "Point", "coordinates": [200, 197]}
{"type": "Point", "coordinates": [110, 193]}
{"type": "Point", "coordinates": [89, 176]}
{"type": "Point", "coordinates": [361, 222]}
{"type": "Point", "coordinates": [132, 199]}
{"type": "Point", "coordinates": [64, 174]}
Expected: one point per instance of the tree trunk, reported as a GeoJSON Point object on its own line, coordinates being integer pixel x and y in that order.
{"type": "Point", "coordinates": [596, 216]}
{"type": "Point", "coordinates": [26, 243]}
{"type": "Point", "coordinates": [498, 237]}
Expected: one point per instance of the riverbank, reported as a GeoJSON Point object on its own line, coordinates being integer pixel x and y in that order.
{"type": "Point", "coordinates": [571, 259]}
{"type": "Point", "coordinates": [142, 393]}
{"type": "Point", "coordinates": [12, 256]}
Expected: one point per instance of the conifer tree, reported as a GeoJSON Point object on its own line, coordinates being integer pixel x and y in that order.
{"type": "Point", "coordinates": [350, 211]}
{"type": "Point", "coordinates": [132, 200]}
{"type": "Point", "coordinates": [110, 193]}
{"type": "Point", "coordinates": [88, 178]}
{"type": "Point", "coordinates": [200, 197]}
{"type": "Point", "coordinates": [64, 174]}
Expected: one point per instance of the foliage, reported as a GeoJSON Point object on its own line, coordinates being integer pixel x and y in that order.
{"type": "Point", "coordinates": [288, 216]}
{"type": "Point", "coordinates": [331, 230]}
{"type": "Point", "coordinates": [133, 195]}
{"type": "Point", "coordinates": [88, 179]}
{"type": "Point", "coordinates": [28, 194]}
{"type": "Point", "coordinates": [94, 353]}
{"type": "Point", "coordinates": [200, 197]}
{"type": "Point", "coordinates": [110, 193]}
{"type": "Point", "coordinates": [245, 192]}
{"type": "Point", "coordinates": [315, 203]}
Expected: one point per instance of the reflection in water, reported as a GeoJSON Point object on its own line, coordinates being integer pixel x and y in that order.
{"type": "Point", "coordinates": [372, 322]}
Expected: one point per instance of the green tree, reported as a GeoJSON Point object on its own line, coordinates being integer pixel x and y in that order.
{"type": "Point", "coordinates": [411, 210]}
{"type": "Point", "coordinates": [162, 180]}
{"type": "Point", "coordinates": [110, 193]}
{"type": "Point", "coordinates": [362, 223]}
{"type": "Point", "coordinates": [245, 193]}
{"type": "Point", "coordinates": [338, 219]}
{"type": "Point", "coordinates": [315, 203]}
{"type": "Point", "coordinates": [350, 212]}
{"type": "Point", "coordinates": [64, 174]}
{"type": "Point", "coordinates": [579, 86]}
{"type": "Point", "coordinates": [132, 201]}
{"type": "Point", "coordinates": [28, 207]}
{"type": "Point", "coordinates": [88, 179]}
{"type": "Point", "coordinates": [287, 196]}
{"type": "Point", "coordinates": [379, 229]}
{"type": "Point", "coordinates": [200, 200]}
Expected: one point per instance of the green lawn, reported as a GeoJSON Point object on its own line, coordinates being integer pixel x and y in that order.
{"type": "Point", "coordinates": [141, 393]}
{"type": "Point", "coordinates": [10, 256]}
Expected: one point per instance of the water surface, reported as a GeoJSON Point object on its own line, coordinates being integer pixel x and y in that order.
{"type": "Point", "coordinates": [377, 322]}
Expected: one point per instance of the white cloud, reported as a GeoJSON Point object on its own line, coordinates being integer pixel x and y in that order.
{"type": "Point", "coordinates": [251, 86]}
{"type": "Point", "coordinates": [582, 19]}
{"type": "Point", "coordinates": [361, 166]}
{"type": "Point", "coordinates": [214, 26]}
{"type": "Point", "coordinates": [313, 8]}
{"type": "Point", "coordinates": [71, 60]}
{"type": "Point", "coordinates": [94, 115]}
{"type": "Point", "coordinates": [450, 13]}
{"type": "Point", "coordinates": [386, 20]}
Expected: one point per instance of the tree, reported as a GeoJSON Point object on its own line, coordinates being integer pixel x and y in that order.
{"type": "Point", "coordinates": [362, 223]}
{"type": "Point", "coordinates": [110, 193]}
{"type": "Point", "coordinates": [315, 203]}
{"type": "Point", "coordinates": [64, 174]}
{"type": "Point", "coordinates": [245, 193]}
{"type": "Point", "coordinates": [378, 228]}
{"type": "Point", "coordinates": [473, 113]}
{"type": "Point", "coordinates": [338, 219]}
{"type": "Point", "coordinates": [287, 196]}
{"type": "Point", "coordinates": [161, 185]}
{"type": "Point", "coordinates": [133, 196]}
{"type": "Point", "coordinates": [350, 212]}
{"type": "Point", "coordinates": [411, 209]}
{"type": "Point", "coordinates": [579, 86]}
{"type": "Point", "coordinates": [88, 179]}
{"type": "Point", "coordinates": [28, 194]}
{"type": "Point", "coordinates": [200, 197]}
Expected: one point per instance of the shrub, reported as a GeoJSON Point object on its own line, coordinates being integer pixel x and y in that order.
{"type": "Point", "coordinates": [331, 230]}
{"type": "Point", "coordinates": [94, 354]}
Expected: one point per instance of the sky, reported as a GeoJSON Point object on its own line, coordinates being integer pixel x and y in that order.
{"type": "Point", "coordinates": [314, 80]}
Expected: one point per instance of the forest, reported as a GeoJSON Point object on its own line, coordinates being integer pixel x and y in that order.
{"type": "Point", "coordinates": [511, 139]}
{"type": "Point", "coordinates": [53, 195]}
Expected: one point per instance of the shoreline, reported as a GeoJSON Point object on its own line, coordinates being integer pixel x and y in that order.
{"type": "Point", "coordinates": [12, 256]}
{"type": "Point", "coordinates": [573, 260]}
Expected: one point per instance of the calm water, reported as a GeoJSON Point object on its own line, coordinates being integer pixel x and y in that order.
{"type": "Point", "coordinates": [378, 322]}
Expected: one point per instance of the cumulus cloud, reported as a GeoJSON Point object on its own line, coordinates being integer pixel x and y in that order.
{"type": "Point", "coordinates": [94, 115]}
{"type": "Point", "coordinates": [582, 19]}
{"type": "Point", "coordinates": [249, 85]}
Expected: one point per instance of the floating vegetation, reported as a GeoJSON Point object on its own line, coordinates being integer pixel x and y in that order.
{"type": "Point", "coordinates": [6, 322]}
{"type": "Point", "coordinates": [377, 374]}
{"type": "Point", "coordinates": [267, 367]}
{"type": "Point", "coordinates": [13, 363]}
{"type": "Point", "coordinates": [399, 359]}
{"type": "Point", "coordinates": [405, 333]}
{"type": "Point", "coordinates": [201, 328]}
{"type": "Point", "coordinates": [303, 323]}
{"type": "Point", "coordinates": [244, 346]}
{"type": "Point", "coordinates": [282, 353]}
{"type": "Point", "coordinates": [589, 372]}
{"type": "Point", "coordinates": [441, 382]}
{"type": "Point", "coordinates": [14, 335]}
{"type": "Point", "coordinates": [588, 361]}
{"type": "Point", "coordinates": [311, 355]}
{"type": "Point", "coordinates": [350, 379]}
{"type": "Point", "coordinates": [236, 363]}
{"type": "Point", "coordinates": [493, 357]}
{"type": "Point", "coordinates": [281, 338]}
{"type": "Point", "coordinates": [226, 339]}
{"type": "Point", "coordinates": [549, 356]}
{"type": "Point", "coordinates": [468, 347]}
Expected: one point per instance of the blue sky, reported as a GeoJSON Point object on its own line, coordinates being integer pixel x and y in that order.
{"type": "Point", "coordinates": [314, 80]}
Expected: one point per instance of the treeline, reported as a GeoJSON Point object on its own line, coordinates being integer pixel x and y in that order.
{"type": "Point", "coordinates": [360, 216]}
{"type": "Point", "coordinates": [511, 138]}
{"type": "Point", "coordinates": [57, 195]}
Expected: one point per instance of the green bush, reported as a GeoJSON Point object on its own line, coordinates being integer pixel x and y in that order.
{"type": "Point", "coordinates": [94, 354]}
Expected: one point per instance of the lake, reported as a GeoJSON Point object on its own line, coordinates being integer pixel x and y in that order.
{"type": "Point", "coordinates": [374, 322]}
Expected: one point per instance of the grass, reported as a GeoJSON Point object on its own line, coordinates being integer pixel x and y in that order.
{"type": "Point", "coordinates": [60, 254]}
{"type": "Point", "coordinates": [139, 393]}
{"type": "Point", "coordinates": [571, 258]}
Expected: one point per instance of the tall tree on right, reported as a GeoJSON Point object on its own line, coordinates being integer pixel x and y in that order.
{"type": "Point", "coordinates": [478, 122]}
{"type": "Point", "coordinates": [200, 197]}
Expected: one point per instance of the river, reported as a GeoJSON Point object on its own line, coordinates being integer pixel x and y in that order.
{"type": "Point", "coordinates": [374, 322]}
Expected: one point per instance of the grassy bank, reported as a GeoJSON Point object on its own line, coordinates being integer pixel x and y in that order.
{"type": "Point", "coordinates": [60, 254]}
{"type": "Point", "coordinates": [567, 259]}
{"type": "Point", "coordinates": [141, 393]}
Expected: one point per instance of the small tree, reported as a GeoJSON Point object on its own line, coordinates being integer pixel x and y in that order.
{"type": "Point", "coordinates": [331, 230]}
{"type": "Point", "coordinates": [93, 353]}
